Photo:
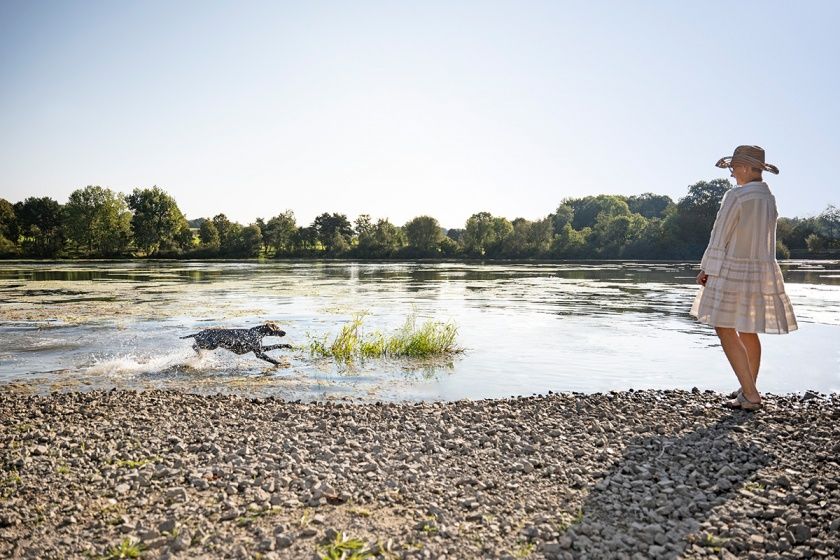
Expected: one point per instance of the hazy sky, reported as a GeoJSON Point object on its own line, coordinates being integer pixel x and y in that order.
{"type": "Point", "coordinates": [404, 108]}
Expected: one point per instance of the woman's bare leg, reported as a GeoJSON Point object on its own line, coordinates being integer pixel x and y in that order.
{"type": "Point", "coordinates": [753, 347]}
{"type": "Point", "coordinates": [736, 353]}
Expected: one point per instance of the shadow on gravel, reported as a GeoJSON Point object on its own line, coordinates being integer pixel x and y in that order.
{"type": "Point", "coordinates": [662, 489]}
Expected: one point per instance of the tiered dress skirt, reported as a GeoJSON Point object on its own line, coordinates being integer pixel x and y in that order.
{"type": "Point", "coordinates": [747, 295]}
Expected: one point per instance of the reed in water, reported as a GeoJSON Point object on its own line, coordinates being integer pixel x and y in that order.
{"type": "Point", "coordinates": [432, 338]}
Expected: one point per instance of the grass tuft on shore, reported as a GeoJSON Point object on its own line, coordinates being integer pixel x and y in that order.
{"type": "Point", "coordinates": [432, 338]}
{"type": "Point", "coordinates": [344, 547]}
{"type": "Point", "coordinates": [128, 548]}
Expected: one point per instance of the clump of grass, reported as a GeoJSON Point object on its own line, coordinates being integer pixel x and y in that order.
{"type": "Point", "coordinates": [754, 487]}
{"type": "Point", "coordinates": [432, 338]}
{"type": "Point", "coordinates": [128, 548]}
{"type": "Point", "coordinates": [9, 483]}
{"type": "Point", "coordinates": [132, 464]}
{"type": "Point", "coordinates": [344, 547]}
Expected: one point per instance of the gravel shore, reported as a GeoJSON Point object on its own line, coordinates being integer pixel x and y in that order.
{"type": "Point", "coordinates": [635, 474]}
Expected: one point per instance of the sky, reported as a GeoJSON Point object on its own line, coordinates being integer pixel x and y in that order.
{"type": "Point", "coordinates": [405, 108]}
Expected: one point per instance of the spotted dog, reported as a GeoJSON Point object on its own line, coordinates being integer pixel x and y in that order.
{"type": "Point", "coordinates": [240, 341]}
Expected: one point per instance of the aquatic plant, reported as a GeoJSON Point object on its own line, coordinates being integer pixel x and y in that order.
{"type": "Point", "coordinates": [432, 338]}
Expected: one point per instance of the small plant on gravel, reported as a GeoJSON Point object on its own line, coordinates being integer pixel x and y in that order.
{"type": "Point", "coordinates": [23, 427]}
{"type": "Point", "coordinates": [524, 550]}
{"type": "Point", "coordinates": [128, 548]}
{"type": "Point", "coordinates": [344, 547]}
{"type": "Point", "coordinates": [9, 483]}
{"type": "Point", "coordinates": [754, 487]}
{"type": "Point", "coordinates": [711, 541]}
{"type": "Point", "coordinates": [132, 464]}
{"type": "Point", "coordinates": [62, 469]}
{"type": "Point", "coordinates": [359, 511]}
{"type": "Point", "coordinates": [305, 518]}
{"type": "Point", "coordinates": [567, 520]}
{"type": "Point", "coordinates": [432, 338]}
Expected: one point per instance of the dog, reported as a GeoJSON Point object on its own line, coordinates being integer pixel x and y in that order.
{"type": "Point", "coordinates": [240, 341]}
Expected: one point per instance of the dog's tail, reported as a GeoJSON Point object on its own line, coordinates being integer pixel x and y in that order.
{"type": "Point", "coordinates": [189, 336]}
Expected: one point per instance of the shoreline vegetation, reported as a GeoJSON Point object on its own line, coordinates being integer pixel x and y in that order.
{"type": "Point", "coordinates": [97, 222]}
{"type": "Point", "coordinates": [623, 474]}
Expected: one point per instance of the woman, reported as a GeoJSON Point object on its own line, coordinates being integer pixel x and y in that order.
{"type": "Point", "coordinates": [742, 292]}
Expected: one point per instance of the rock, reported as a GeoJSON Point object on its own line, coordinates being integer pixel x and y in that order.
{"type": "Point", "coordinates": [307, 533]}
{"type": "Point", "coordinates": [167, 526]}
{"type": "Point", "coordinates": [283, 541]}
{"type": "Point", "coordinates": [801, 533]}
{"type": "Point", "coordinates": [177, 494]}
{"type": "Point", "coordinates": [182, 541]}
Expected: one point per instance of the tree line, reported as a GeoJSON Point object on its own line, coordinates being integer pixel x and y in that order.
{"type": "Point", "coordinates": [98, 222]}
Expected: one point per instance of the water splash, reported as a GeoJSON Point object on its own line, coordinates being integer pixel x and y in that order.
{"type": "Point", "coordinates": [129, 364]}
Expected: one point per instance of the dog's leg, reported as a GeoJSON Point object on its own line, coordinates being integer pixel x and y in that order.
{"type": "Point", "coordinates": [275, 347]}
{"type": "Point", "coordinates": [266, 357]}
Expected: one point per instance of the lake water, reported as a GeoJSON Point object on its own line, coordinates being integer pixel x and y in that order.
{"type": "Point", "coordinates": [526, 328]}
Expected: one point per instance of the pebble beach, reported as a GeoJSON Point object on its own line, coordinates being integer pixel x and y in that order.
{"type": "Point", "coordinates": [631, 474]}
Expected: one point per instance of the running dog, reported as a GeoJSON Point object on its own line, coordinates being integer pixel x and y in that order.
{"type": "Point", "coordinates": [240, 341]}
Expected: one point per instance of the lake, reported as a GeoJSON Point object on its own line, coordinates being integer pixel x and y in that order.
{"type": "Point", "coordinates": [525, 328]}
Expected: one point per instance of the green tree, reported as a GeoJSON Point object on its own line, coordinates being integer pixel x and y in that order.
{"type": "Point", "coordinates": [529, 239]}
{"type": "Point", "coordinates": [280, 230]}
{"type": "Point", "coordinates": [564, 214]}
{"type": "Point", "coordinates": [423, 234]}
{"type": "Point", "coordinates": [305, 239]}
{"type": "Point", "coordinates": [481, 234]}
{"type": "Point", "coordinates": [649, 205]}
{"type": "Point", "coordinates": [208, 234]}
{"type": "Point", "coordinates": [250, 241]}
{"type": "Point", "coordinates": [338, 245]}
{"type": "Point", "coordinates": [612, 233]}
{"type": "Point", "coordinates": [157, 219]}
{"type": "Point", "coordinates": [8, 221]}
{"type": "Point", "coordinates": [379, 240]}
{"type": "Point", "coordinates": [227, 230]}
{"type": "Point", "coordinates": [828, 223]}
{"type": "Point", "coordinates": [327, 225]}
{"type": "Point", "coordinates": [696, 213]}
{"type": "Point", "coordinates": [41, 224]}
{"type": "Point", "coordinates": [587, 209]}
{"type": "Point", "coordinates": [570, 243]}
{"type": "Point", "coordinates": [649, 243]}
{"type": "Point", "coordinates": [185, 238]}
{"type": "Point", "coordinates": [98, 220]}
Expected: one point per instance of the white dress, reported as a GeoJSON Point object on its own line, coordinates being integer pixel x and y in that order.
{"type": "Point", "coordinates": [745, 289]}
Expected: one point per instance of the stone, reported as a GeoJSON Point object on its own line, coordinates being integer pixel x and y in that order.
{"type": "Point", "coordinates": [801, 533]}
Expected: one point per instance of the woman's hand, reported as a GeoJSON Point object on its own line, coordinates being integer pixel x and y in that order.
{"type": "Point", "coordinates": [702, 277]}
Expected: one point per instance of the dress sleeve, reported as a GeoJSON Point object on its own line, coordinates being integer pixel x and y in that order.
{"type": "Point", "coordinates": [725, 222]}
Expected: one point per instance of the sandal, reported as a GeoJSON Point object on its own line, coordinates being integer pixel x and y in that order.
{"type": "Point", "coordinates": [743, 403]}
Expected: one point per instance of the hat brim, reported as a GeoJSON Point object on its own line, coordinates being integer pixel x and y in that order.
{"type": "Point", "coordinates": [726, 162]}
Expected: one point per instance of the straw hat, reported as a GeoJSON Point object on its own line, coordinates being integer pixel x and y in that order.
{"type": "Point", "coordinates": [751, 155]}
